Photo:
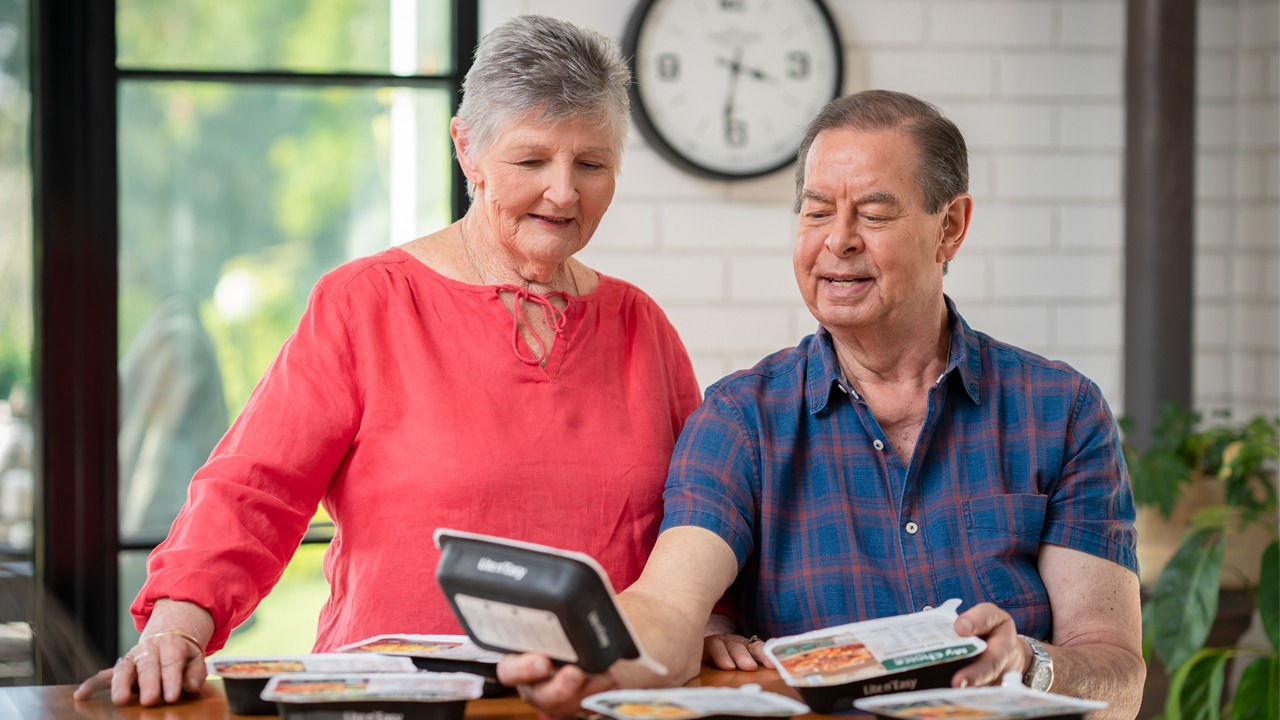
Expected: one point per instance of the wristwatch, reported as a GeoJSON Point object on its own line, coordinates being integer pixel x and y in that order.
{"type": "Point", "coordinates": [1040, 675]}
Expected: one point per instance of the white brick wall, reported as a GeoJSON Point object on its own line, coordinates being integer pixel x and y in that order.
{"type": "Point", "coordinates": [1037, 86]}
{"type": "Point", "coordinates": [1237, 230]}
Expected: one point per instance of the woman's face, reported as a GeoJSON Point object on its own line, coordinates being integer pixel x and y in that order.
{"type": "Point", "coordinates": [542, 187]}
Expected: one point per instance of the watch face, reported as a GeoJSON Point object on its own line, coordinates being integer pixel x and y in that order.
{"type": "Point", "coordinates": [725, 88]}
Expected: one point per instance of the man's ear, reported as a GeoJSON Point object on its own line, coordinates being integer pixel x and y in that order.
{"type": "Point", "coordinates": [955, 225]}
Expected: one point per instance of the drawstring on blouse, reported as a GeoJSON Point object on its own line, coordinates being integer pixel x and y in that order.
{"type": "Point", "coordinates": [554, 316]}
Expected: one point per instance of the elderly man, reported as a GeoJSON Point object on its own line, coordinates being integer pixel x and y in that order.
{"type": "Point", "coordinates": [894, 459]}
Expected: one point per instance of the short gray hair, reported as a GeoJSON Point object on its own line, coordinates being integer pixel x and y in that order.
{"type": "Point", "coordinates": [549, 67]}
{"type": "Point", "coordinates": [944, 160]}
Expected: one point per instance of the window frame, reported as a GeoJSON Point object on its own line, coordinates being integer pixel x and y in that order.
{"type": "Point", "coordinates": [75, 170]}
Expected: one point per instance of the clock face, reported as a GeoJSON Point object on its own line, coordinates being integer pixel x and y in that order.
{"type": "Point", "coordinates": [725, 88]}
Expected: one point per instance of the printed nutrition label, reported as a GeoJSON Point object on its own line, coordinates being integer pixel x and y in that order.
{"type": "Point", "coordinates": [925, 633]}
{"type": "Point", "coordinates": [516, 627]}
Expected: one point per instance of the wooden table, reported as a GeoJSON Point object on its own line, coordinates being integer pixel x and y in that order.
{"type": "Point", "coordinates": [54, 701]}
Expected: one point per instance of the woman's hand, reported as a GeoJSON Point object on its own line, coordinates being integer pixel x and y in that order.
{"type": "Point", "coordinates": [167, 661]}
{"type": "Point", "coordinates": [729, 651]}
{"type": "Point", "coordinates": [724, 647]}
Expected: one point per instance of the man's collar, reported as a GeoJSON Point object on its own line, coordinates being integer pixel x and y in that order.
{"type": "Point", "coordinates": [966, 353]}
{"type": "Point", "coordinates": [823, 370]}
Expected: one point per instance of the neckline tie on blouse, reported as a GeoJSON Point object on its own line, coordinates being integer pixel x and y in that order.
{"type": "Point", "coordinates": [554, 316]}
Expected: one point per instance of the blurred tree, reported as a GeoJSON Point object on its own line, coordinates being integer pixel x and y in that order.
{"type": "Point", "coordinates": [216, 177]}
{"type": "Point", "coordinates": [15, 199]}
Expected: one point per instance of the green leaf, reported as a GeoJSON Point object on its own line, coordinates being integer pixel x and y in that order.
{"type": "Point", "coordinates": [1258, 696]}
{"type": "Point", "coordinates": [1195, 689]}
{"type": "Point", "coordinates": [1215, 517]}
{"type": "Point", "coordinates": [1148, 630]}
{"type": "Point", "coordinates": [1185, 600]}
{"type": "Point", "coordinates": [1269, 593]}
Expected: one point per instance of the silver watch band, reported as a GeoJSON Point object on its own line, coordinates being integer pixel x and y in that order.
{"type": "Point", "coordinates": [1040, 675]}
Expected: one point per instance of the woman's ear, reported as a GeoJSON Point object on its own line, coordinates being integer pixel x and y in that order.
{"type": "Point", "coordinates": [462, 148]}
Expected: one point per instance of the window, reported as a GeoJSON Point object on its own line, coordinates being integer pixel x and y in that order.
{"type": "Point", "coordinates": [256, 146]}
{"type": "Point", "coordinates": [16, 439]}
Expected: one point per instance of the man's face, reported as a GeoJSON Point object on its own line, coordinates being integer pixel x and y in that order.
{"type": "Point", "coordinates": [867, 253]}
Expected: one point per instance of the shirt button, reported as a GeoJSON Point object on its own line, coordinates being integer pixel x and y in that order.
{"type": "Point", "coordinates": [926, 608]}
{"type": "Point", "coordinates": [877, 444]}
{"type": "Point", "coordinates": [912, 528]}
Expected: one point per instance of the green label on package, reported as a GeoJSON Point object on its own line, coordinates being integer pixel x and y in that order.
{"type": "Point", "coordinates": [930, 657]}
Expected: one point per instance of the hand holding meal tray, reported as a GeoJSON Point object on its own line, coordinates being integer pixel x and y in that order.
{"type": "Point", "coordinates": [834, 666]}
{"type": "Point", "coordinates": [519, 597]}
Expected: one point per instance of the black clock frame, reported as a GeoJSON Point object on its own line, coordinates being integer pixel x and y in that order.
{"type": "Point", "coordinates": [650, 131]}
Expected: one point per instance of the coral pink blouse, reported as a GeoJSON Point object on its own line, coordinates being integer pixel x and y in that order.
{"type": "Point", "coordinates": [399, 404]}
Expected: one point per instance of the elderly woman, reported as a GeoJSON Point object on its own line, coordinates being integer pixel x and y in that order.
{"type": "Point", "coordinates": [478, 378]}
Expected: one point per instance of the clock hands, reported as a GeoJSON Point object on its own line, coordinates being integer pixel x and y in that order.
{"type": "Point", "coordinates": [735, 70]}
{"type": "Point", "coordinates": [735, 66]}
{"type": "Point", "coordinates": [734, 130]}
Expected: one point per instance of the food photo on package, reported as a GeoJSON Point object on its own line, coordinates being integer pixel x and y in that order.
{"type": "Point", "coordinates": [685, 703]}
{"type": "Point", "coordinates": [410, 696]}
{"type": "Point", "coordinates": [832, 667]}
{"type": "Point", "coordinates": [512, 596]}
{"type": "Point", "coordinates": [245, 677]}
{"type": "Point", "coordinates": [441, 653]}
{"type": "Point", "coordinates": [1009, 701]}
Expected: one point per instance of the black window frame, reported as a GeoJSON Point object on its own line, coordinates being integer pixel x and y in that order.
{"type": "Point", "coordinates": [75, 82]}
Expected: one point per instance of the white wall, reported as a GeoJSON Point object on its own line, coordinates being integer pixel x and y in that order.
{"type": "Point", "coordinates": [1238, 186]}
{"type": "Point", "coordinates": [1037, 88]}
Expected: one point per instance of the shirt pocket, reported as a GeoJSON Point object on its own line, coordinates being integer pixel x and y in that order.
{"type": "Point", "coordinates": [1004, 543]}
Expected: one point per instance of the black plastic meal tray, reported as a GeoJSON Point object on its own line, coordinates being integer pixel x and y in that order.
{"type": "Point", "coordinates": [408, 710]}
{"type": "Point", "coordinates": [838, 698]}
{"type": "Point", "coordinates": [570, 589]}
{"type": "Point", "coordinates": [244, 696]}
{"type": "Point", "coordinates": [488, 671]}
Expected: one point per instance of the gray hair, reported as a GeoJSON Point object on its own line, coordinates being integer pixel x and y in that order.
{"type": "Point", "coordinates": [548, 67]}
{"type": "Point", "coordinates": [944, 159]}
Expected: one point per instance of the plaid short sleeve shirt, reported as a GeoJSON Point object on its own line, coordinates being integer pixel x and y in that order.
{"type": "Point", "coordinates": [830, 527]}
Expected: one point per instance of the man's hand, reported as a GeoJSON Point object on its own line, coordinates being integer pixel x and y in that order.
{"type": "Point", "coordinates": [558, 693]}
{"type": "Point", "coordinates": [1006, 652]}
{"type": "Point", "coordinates": [667, 609]}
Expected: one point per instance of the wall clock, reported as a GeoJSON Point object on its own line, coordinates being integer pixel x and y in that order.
{"type": "Point", "coordinates": [725, 88]}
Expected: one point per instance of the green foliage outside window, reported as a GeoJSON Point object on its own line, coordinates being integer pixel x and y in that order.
{"type": "Point", "coordinates": [238, 196]}
{"type": "Point", "coordinates": [15, 200]}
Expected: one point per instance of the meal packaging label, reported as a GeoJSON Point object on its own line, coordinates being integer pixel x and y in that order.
{"type": "Point", "coordinates": [441, 647]}
{"type": "Point", "coordinates": [359, 687]}
{"type": "Point", "coordinates": [686, 703]}
{"type": "Point", "coordinates": [857, 651]}
{"type": "Point", "coordinates": [237, 668]}
{"type": "Point", "coordinates": [513, 626]}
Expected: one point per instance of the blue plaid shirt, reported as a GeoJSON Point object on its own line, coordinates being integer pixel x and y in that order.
{"type": "Point", "coordinates": [830, 527]}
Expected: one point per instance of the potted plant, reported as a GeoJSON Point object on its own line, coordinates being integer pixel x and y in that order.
{"type": "Point", "coordinates": [1224, 474]}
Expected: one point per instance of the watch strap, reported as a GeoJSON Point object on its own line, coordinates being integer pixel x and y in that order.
{"type": "Point", "coordinates": [1040, 675]}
